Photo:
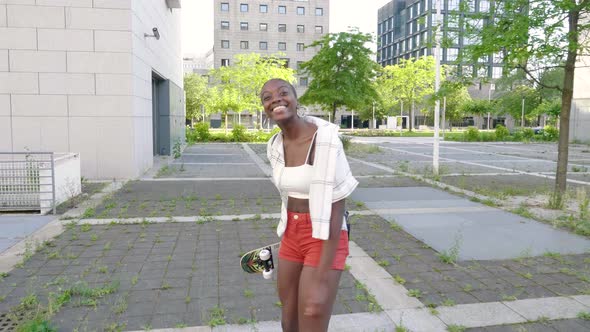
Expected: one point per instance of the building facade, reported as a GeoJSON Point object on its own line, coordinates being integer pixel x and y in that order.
{"type": "Point", "coordinates": [100, 78]}
{"type": "Point", "coordinates": [269, 27]}
{"type": "Point", "coordinates": [580, 112]}
{"type": "Point", "coordinates": [197, 64]}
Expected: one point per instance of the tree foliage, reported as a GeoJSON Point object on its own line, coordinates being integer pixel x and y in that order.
{"type": "Point", "coordinates": [341, 72]}
{"type": "Point", "coordinates": [511, 102]}
{"type": "Point", "coordinates": [197, 95]}
{"type": "Point", "coordinates": [532, 36]}
{"type": "Point", "coordinates": [410, 82]}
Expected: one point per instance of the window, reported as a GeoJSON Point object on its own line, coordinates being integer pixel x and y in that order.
{"type": "Point", "coordinates": [300, 47]}
{"type": "Point", "coordinates": [282, 46]}
{"type": "Point", "coordinates": [225, 6]}
{"type": "Point", "coordinates": [496, 72]}
{"type": "Point", "coordinates": [264, 8]}
{"type": "Point", "coordinates": [300, 10]}
{"type": "Point", "coordinates": [282, 28]}
{"type": "Point", "coordinates": [319, 12]}
{"type": "Point", "coordinates": [319, 29]}
{"type": "Point", "coordinates": [452, 54]}
{"type": "Point", "coordinates": [244, 7]}
{"type": "Point", "coordinates": [263, 45]}
{"type": "Point", "coordinates": [263, 27]}
{"type": "Point", "coordinates": [453, 4]}
{"type": "Point", "coordinates": [225, 44]}
{"type": "Point", "coordinates": [484, 6]}
{"type": "Point", "coordinates": [224, 25]}
{"type": "Point", "coordinates": [282, 9]}
{"type": "Point", "coordinates": [244, 44]}
{"type": "Point", "coordinates": [243, 25]}
{"type": "Point", "coordinates": [303, 81]}
{"type": "Point", "coordinates": [300, 28]}
{"type": "Point", "coordinates": [224, 62]}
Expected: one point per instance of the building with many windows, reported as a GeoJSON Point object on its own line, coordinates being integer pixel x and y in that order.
{"type": "Point", "coordinates": [269, 27]}
{"type": "Point", "coordinates": [580, 112]}
{"type": "Point", "coordinates": [406, 30]}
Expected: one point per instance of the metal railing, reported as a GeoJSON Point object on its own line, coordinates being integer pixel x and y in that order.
{"type": "Point", "coordinates": [27, 181]}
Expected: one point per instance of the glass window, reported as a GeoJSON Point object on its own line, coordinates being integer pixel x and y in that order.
{"type": "Point", "coordinates": [225, 6]}
{"type": "Point", "coordinates": [300, 47]}
{"type": "Point", "coordinates": [319, 29]}
{"type": "Point", "coordinates": [244, 44]}
{"type": "Point", "coordinates": [300, 28]}
{"type": "Point", "coordinates": [452, 54]}
{"type": "Point", "coordinates": [282, 9]}
{"type": "Point", "coordinates": [263, 27]}
{"type": "Point", "coordinates": [224, 62]}
{"type": "Point", "coordinates": [243, 25]}
{"type": "Point", "coordinates": [282, 46]}
{"type": "Point", "coordinates": [244, 7]}
{"type": "Point", "coordinates": [224, 25]}
{"type": "Point", "coordinates": [300, 10]}
{"type": "Point", "coordinates": [453, 5]}
{"type": "Point", "coordinates": [484, 6]}
{"type": "Point", "coordinates": [225, 44]}
{"type": "Point", "coordinates": [303, 81]}
{"type": "Point", "coordinates": [264, 8]}
{"type": "Point", "coordinates": [496, 72]}
{"type": "Point", "coordinates": [263, 45]}
{"type": "Point", "coordinates": [319, 12]}
{"type": "Point", "coordinates": [282, 28]}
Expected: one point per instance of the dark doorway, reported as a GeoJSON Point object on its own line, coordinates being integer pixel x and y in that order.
{"type": "Point", "coordinates": [157, 83]}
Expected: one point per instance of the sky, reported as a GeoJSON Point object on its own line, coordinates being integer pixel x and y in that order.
{"type": "Point", "coordinates": [197, 21]}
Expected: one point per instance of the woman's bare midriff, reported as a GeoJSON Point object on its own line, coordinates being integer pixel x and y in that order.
{"type": "Point", "coordinates": [298, 205]}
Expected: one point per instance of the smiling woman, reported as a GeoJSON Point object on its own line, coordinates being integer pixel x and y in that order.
{"type": "Point", "coordinates": [313, 177]}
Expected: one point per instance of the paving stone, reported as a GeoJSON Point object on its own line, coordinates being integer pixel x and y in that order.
{"type": "Point", "coordinates": [553, 308]}
{"type": "Point", "coordinates": [482, 314]}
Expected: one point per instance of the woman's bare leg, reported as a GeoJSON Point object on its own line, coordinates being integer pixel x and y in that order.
{"type": "Point", "coordinates": [288, 285]}
{"type": "Point", "coordinates": [320, 320]}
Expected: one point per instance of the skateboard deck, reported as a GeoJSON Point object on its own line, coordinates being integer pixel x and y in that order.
{"type": "Point", "coordinates": [260, 260]}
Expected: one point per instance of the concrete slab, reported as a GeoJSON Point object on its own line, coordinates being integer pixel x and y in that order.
{"type": "Point", "coordinates": [444, 221]}
{"type": "Point", "coordinates": [7, 243]}
{"type": "Point", "coordinates": [482, 314]}
{"type": "Point", "coordinates": [584, 299]}
{"type": "Point", "coordinates": [416, 320]}
{"type": "Point", "coordinates": [18, 226]}
{"type": "Point", "coordinates": [550, 307]}
{"type": "Point", "coordinates": [213, 158]}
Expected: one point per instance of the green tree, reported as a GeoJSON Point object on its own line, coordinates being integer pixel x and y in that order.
{"type": "Point", "coordinates": [341, 72]}
{"type": "Point", "coordinates": [511, 103]}
{"type": "Point", "coordinates": [456, 96]}
{"type": "Point", "coordinates": [239, 85]}
{"type": "Point", "coordinates": [533, 35]}
{"type": "Point", "coordinates": [550, 108]}
{"type": "Point", "coordinates": [478, 107]}
{"type": "Point", "coordinates": [411, 81]}
{"type": "Point", "coordinates": [197, 92]}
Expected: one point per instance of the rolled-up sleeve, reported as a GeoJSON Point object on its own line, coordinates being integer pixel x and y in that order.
{"type": "Point", "coordinates": [344, 181]}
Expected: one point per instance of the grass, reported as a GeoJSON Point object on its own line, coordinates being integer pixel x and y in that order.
{"type": "Point", "coordinates": [216, 317]}
{"type": "Point", "coordinates": [585, 315]}
{"type": "Point", "coordinates": [415, 293]}
{"type": "Point", "coordinates": [456, 328]}
{"type": "Point", "coordinates": [450, 255]}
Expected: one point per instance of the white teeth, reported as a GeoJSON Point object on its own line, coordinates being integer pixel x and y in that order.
{"type": "Point", "coordinates": [279, 108]}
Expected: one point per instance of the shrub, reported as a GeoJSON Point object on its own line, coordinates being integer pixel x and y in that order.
{"type": "Point", "coordinates": [239, 134]}
{"type": "Point", "coordinates": [471, 134]}
{"type": "Point", "coordinates": [345, 141]}
{"type": "Point", "coordinates": [501, 133]}
{"type": "Point", "coordinates": [528, 133]}
{"type": "Point", "coordinates": [550, 133]}
{"type": "Point", "coordinates": [202, 131]}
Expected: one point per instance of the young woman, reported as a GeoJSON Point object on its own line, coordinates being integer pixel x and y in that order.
{"type": "Point", "coordinates": [313, 177]}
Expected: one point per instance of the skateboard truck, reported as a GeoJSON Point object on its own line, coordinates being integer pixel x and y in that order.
{"type": "Point", "coordinates": [266, 258]}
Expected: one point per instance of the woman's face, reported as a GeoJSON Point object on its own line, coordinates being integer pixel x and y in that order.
{"type": "Point", "coordinates": [278, 100]}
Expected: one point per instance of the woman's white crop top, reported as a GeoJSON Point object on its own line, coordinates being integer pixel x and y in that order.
{"type": "Point", "coordinates": [296, 180]}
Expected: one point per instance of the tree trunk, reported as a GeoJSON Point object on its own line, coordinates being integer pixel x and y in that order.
{"type": "Point", "coordinates": [334, 112]}
{"type": "Point", "coordinates": [566, 104]}
{"type": "Point", "coordinates": [412, 116]}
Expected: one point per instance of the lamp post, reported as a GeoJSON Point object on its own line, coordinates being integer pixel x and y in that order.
{"type": "Point", "coordinates": [374, 123]}
{"type": "Point", "coordinates": [435, 151]}
{"type": "Point", "coordinates": [522, 117]}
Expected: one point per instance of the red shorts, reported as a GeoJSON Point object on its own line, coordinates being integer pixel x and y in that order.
{"type": "Point", "coordinates": [297, 244]}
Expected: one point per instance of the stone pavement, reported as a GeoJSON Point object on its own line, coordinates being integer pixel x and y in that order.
{"type": "Point", "coordinates": [175, 266]}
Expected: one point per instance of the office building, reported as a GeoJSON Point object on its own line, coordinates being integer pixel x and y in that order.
{"type": "Point", "coordinates": [269, 27]}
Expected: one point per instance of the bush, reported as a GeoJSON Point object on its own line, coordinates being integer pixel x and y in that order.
{"type": "Point", "coordinates": [550, 133]}
{"type": "Point", "coordinates": [501, 133]}
{"type": "Point", "coordinates": [202, 131]}
{"type": "Point", "coordinates": [528, 133]}
{"type": "Point", "coordinates": [345, 141]}
{"type": "Point", "coordinates": [239, 134]}
{"type": "Point", "coordinates": [471, 134]}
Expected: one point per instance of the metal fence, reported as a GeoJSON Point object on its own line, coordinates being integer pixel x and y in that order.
{"type": "Point", "coordinates": [27, 181]}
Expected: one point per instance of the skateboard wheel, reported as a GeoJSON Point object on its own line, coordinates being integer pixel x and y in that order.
{"type": "Point", "coordinates": [267, 274]}
{"type": "Point", "coordinates": [265, 254]}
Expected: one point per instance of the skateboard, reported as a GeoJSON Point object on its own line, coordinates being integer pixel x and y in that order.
{"type": "Point", "coordinates": [260, 260]}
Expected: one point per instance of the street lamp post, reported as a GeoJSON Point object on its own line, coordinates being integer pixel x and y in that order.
{"type": "Point", "coordinates": [435, 152]}
{"type": "Point", "coordinates": [522, 117]}
{"type": "Point", "coordinates": [374, 123]}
